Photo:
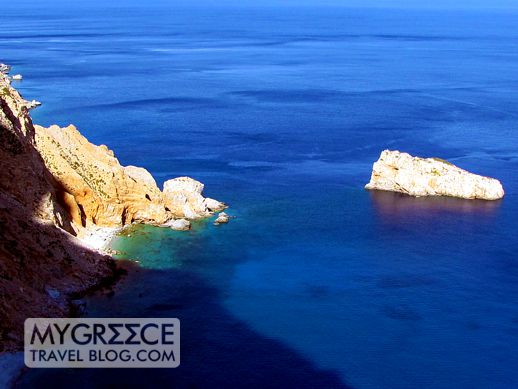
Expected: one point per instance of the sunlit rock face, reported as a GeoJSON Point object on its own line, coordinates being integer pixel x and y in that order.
{"type": "Point", "coordinates": [400, 172]}
{"type": "Point", "coordinates": [57, 191]}
{"type": "Point", "coordinates": [38, 253]}
{"type": "Point", "coordinates": [183, 197]}
{"type": "Point", "coordinates": [99, 191]}
{"type": "Point", "coordinates": [222, 218]}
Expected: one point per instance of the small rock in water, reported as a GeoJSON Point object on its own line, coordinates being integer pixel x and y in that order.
{"type": "Point", "coordinates": [222, 218]}
{"type": "Point", "coordinates": [33, 104]}
{"type": "Point", "coordinates": [17, 77]}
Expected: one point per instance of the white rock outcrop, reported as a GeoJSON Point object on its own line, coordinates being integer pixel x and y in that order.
{"type": "Point", "coordinates": [60, 197]}
{"type": "Point", "coordinates": [140, 174]}
{"type": "Point", "coordinates": [4, 69]}
{"type": "Point", "coordinates": [33, 104]}
{"type": "Point", "coordinates": [221, 219]}
{"type": "Point", "coordinates": [400, 172]}
{"type": "Point", "coordinates": [178, 224]}
{"type": "Point", "coordinates": [184, 196]}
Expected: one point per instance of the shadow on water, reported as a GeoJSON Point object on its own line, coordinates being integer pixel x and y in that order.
{"type": "Point", "coordinates": [217, 350]}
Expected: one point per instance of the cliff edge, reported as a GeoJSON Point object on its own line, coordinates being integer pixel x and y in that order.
{"type": "Point", "coordinates": [97, 191]}
{"type": "Point", "coordinates": [55, 189]}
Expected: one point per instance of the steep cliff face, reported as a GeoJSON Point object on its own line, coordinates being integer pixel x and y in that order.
{"type": "Point", "coordinates": [401, 172]}
{"type": "Point", "coordinates": [55, 189]}
{"type": "Point", "coordinates": [96, 188]}
{"type": "Point", "coordinates": [98, 191]}
{"type": "Point", "coordinates": [19, 158]}
{"type": "Point", "coordinates": [40, 263]}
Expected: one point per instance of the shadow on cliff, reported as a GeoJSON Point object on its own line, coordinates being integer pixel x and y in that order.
{"type": "Point", "coordinates": [41, 269]}
{"type": "Point", "coordinates": [217, 350]}
{"type": "Point", "coordinates": [41, 265]}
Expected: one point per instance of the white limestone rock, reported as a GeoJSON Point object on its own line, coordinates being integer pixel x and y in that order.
{"type": "Point", "coordinates": [183, 198]}
{"type": "Point", "coordinates": [222, 219]}
{"type": "Point", "coordinates": [214, 205]}
{"type": "Point", "coordinates": [178, 224]}
{"type": "Point", "coordinates": [140, 174]}
{"type": "Point", "coordinates": [33, 104]}
{"type": "Point", "coordinates": [401, 172]}
{"type": "Point", "coordinates": [4, 69]}
{"type": "Point", "coordinates": [183, 184]}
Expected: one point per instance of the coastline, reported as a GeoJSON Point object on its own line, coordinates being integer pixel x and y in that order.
{"type": "Point", "coordinates": [12, 364]}
{"type": "Point", "coordinates": [79, 198]}
{"type": "Point", "coordinates": [281, 110]}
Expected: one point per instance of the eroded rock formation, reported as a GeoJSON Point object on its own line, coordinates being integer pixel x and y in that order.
{"type": "Point", "coordinates": [57, 191]}
{"type": "Point", "coordinates": [401, 172]}
{"type": "Point", "coordinates": [222, 219]}
{"type": "Point", "coordinates": [37, 254]}
{"type": "Point", "coordinates": [183, 197]}
{"type": "Point", "coordinates": [99, 191]}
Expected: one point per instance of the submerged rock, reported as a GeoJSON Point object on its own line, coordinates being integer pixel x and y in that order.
{"type": "Point", "coordinates": [401, 172]}
{"type": "Point", "coordinates": [222, 219]}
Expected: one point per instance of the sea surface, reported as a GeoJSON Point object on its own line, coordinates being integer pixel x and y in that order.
{"type": "Point", "coordinates": [281, 112]}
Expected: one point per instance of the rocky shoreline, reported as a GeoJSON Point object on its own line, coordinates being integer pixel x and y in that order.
{"type": "Point", "coordinates": [62, 200]}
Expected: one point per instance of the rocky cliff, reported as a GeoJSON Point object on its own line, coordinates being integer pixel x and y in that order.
{"type": "Point", "coordinates": [55, 188]}
{"type": "Point", "coordinates": [98, 191]}
{"type": "Point", "coordinates": [41, 264]}
{"type": "Point", "coordinates": [401, 172]}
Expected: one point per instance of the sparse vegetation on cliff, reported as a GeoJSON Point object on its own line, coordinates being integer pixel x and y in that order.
{"type": "Point", "coordinates": [56, 187]}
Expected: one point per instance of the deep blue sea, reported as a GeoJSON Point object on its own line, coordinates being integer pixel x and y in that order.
{"type": "Point", "coordinates": [281, 112]}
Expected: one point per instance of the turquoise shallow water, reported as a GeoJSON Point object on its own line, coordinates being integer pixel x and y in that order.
{"type": "Point", "coordinates": [281, 112]}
